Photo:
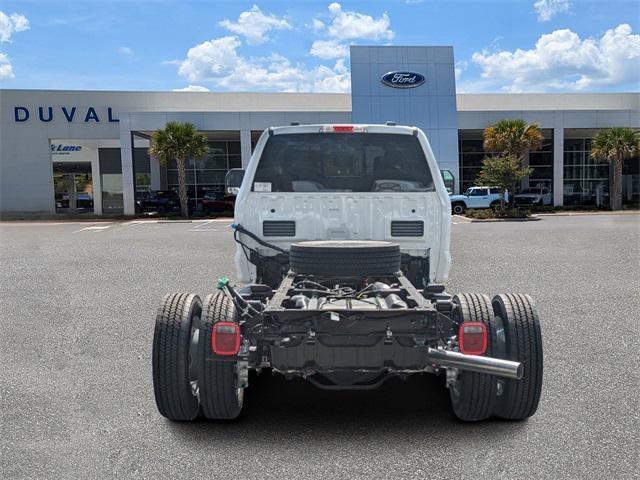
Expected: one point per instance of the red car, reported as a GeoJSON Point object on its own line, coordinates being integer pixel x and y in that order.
{"type": "Point", "coordinates": [216, 202]}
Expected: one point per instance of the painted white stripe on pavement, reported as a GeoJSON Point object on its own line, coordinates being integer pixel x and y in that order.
{"type": "Point", "coordinates": [94, 229]}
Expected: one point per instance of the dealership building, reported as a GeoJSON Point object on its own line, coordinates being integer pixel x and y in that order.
{"type": "Point", "coordinates": [91, 146]}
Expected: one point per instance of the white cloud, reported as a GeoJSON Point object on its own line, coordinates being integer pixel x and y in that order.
{"type": "Point", "coordinates": [218, 61]}
{"type": "Point", "coordinates": [346, 25]}
{"type": "Point", "coordinates": [460, 67]}
{"type": "Point", "coordinates": [329, 49]}
{"type": "Point", "coordinates": [547, 9]}
{"type": "Point", "coordinates": [254, 25]}
{"type": "Point", "coordinates": [6, 69]}
{"type": "Point", "coordinates": [10, 24]}
{"type": "Point", "coordinates": [352, 25]}
{"type": "Point", "coordinates": [210, 59]}
{"type": "Point", "coordinates": [317, 25]}
{"type": "Point", "coordinates": [192, 88]}
{"type": "Point", "coordinates": [126, 51]}
{"type": "Point", "coordinates": [562, 60]}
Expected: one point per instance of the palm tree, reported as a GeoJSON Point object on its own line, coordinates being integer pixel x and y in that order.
{"type": "Point", "coordinates": [513, 137]}
{"type": "Point", "coordinates": [615, 145]}
{"type": "Point", "coordinates": [179, 141]}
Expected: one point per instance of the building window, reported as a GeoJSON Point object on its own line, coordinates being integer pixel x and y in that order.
{"type": "Point", "coordinates": [472, 155]}
{"type": "Point", "coordinates": [542, 163]}
{"type": "Point", "coordinates": [207, 174]}
{"type": "Point", "coordinates": [586, 180]}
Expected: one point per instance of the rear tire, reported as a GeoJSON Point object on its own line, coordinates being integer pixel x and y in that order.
{"type": "Point", "coordinates": [522, 343]}
{"type": "Point", "coordinates": [473, 394]}
{"type": "Point", "coordinates": [174, 356]}
{"type": "Point", "coordinates": [220, 396]}
{"type": "Point", "coordinates": [458, 208]}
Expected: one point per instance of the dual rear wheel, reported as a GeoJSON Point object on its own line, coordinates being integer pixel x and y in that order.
{"type": "Point", "coordinates": [513, 333]}
{"type": "Point", "coordinates": [189, 380]}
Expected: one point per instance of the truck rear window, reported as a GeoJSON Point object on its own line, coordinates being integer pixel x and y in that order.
{"type": "Point", "coordinates": [343, 162]}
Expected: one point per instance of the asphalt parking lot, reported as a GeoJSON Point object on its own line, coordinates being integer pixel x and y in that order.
{"type": "Point", "coordinates": [77, 313]}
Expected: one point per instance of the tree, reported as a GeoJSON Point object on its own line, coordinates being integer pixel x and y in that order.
{"type": "Point", "coordinates": [615, 145]}
{"type": "Point", "coordinates": [503, 172]}
{"type": "Point", "coordinates": [514, 138]}
{"type": "Point", "coordinates": [179, 141]}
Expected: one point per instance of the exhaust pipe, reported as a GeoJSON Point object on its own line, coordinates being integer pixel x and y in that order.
{"type": "Point", "coordinates": [476, 363]}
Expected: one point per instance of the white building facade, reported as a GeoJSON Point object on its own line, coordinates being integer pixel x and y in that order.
{"type": "Point", "coordinates": [87, 150]}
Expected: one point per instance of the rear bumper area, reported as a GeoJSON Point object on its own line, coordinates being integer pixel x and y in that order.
{"type": "Point", "coordinates": [322, 355]}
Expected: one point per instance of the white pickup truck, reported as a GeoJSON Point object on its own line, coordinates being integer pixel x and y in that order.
{"type": "Point", "coordinates": [538, 196]}
{"type": "Point", "coordinates": [342, 236]}
{"type": "Point", "coordinates": [476, 198]}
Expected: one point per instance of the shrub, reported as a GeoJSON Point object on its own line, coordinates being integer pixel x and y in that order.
{"type": "Point", "coordinates": [498, 213]}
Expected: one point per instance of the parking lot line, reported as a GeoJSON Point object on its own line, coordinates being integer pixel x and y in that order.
{"type": "Point", "coordinates": [457, 219]}
{"type": "Point", "coordinates": [93, 229]}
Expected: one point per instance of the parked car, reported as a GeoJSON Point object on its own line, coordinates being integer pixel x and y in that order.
{"type": "Point", "coordinates": [84, 201]}
{"type": "Point", "coordinates": [141, 195]}
{"type": "Point", "coordinates": [159, 201]}
{"type": "Point", "coordinates": [215, 202]}
{"type": "Point", "coordinates": [476, 197]}
{"type": "Point", "coordinates": [533, 196]}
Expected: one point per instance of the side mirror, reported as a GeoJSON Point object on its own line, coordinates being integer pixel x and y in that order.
{"type": "Point", "coordinates": [233, 181]}
{"type": "Point", "coordinates": [449, 180]}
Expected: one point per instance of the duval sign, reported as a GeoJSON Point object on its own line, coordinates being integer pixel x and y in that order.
{"type": "Point", "coordinates": [402, 79]}
{"type": "Point", "coordinates": [69, 114]}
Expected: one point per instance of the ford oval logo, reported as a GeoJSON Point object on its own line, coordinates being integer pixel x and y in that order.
{"type": "Point", "coordinates": [401, 79]}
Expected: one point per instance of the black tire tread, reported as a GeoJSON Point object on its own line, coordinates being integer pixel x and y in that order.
{"type": "Point", "coordinates": [218, 383]}
{"type": "Point", "coordinates": [477, 398]}
{"type": "Point", "coordinates": [171, 340]}
{"type": "Point", "coordinates": [523, 344]}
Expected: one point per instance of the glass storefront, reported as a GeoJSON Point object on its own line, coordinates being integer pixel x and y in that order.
{"type": "Point", "coordinates": [472, 154]}
{"type": "Point", "coordinates": [542, 163]}
{"type": "Point", "coordinates": [73, 187]}
{"type": "Point", "coordinates": [207, 174]}
{"type": "Point", "coordinates": [631, 182]}
{"type": "Point", "coordinates": [586, 180]}
{"type": "Point", "coordinates": [111, 180]}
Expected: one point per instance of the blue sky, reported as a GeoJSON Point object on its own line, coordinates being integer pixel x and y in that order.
{"type": "Point", "coordinates": [500, 46]}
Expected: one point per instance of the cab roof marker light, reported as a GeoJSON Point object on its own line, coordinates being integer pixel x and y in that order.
{"type": "Point", "coordinates": [342, 129]}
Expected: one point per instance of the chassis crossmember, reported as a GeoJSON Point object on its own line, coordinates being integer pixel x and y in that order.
{"type": "Point", "coordinates": [353, 332]}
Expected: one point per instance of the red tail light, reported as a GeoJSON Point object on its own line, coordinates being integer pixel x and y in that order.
{"type": "Point", "coordinates": [225, 339]}
{"type": "Point", "coordinates": [473, 338]}
{"type": "Point", "coordinates": [343, 128]}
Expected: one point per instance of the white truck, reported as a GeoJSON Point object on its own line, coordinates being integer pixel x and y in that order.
{"type": "Point", "coordinates": [476, 198]}
{"type": "Point", "coordinates": [342, 236]}
{"type": "Point", "coordinates": [536, 196]}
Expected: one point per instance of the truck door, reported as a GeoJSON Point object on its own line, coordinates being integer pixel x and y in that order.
{"type": "Point", "coordinates": [478, 198]}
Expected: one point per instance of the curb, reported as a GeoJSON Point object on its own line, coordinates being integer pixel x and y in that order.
{"type": "Point", "coordinates": [577, 214]}
{"type": "Point", "coordinates": [488, 220]}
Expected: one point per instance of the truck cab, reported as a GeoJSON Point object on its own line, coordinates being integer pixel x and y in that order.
{"type": "Point", "coordinates": [346, 182]}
